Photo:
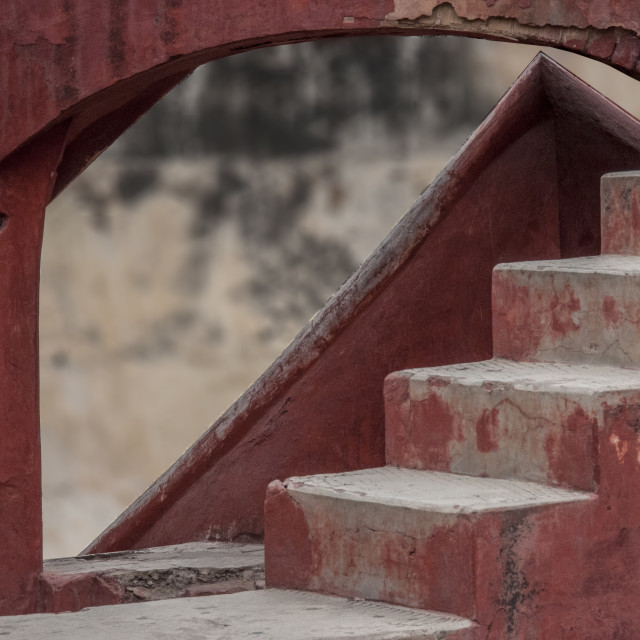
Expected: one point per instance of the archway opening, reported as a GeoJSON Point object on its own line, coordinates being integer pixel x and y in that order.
{"type": "Point", "coordinates": [269, 216]}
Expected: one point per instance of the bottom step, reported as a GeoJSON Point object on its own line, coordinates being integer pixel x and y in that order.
{"type": "Point", "coordinates": [271, 614]}
{"type": "Point", "coordinates": [422, 539]}
{"type": "Point", "coordinates": [159, 573]}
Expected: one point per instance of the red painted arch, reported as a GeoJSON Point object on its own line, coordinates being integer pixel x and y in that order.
{"type": "Point", "coordinates": [84, 61]}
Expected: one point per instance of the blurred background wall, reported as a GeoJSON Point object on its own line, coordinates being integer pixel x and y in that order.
{"type": "Point", "coordinates": [182, 262]}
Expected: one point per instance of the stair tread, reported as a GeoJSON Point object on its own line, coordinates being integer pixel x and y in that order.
{"type": "Point", "coordinates": [433, 491]}
{"type": "Point", "coordinates": [536, 376]}
{"type": "Point", "coordinates": [272, 614]}
{"type": "Point", "coordinates": [612, 264]}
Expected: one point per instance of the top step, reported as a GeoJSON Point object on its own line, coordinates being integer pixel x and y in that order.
{"type": "Point", "coordinates": [584, 310]}
{"type": "Point", "coordinates": [620, 213]}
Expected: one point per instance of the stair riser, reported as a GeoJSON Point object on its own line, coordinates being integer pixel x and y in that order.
{"type": "Point", "coordinates": [494, 430]}
{"type": "Point", "coordinates": [471, 566]}
{"type": "Point", "coordinates": [566, 317]}
{"type": "Point", "coordinates": [371, 551]}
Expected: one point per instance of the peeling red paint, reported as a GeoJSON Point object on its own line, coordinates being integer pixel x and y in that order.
{"type": "Point", "coordinates": [434, 427]}
{"type": "Point", "coordinates": [611, 314]}
{"type": "Point", "coordinates": [414, 311]}
{"type": "Point", "coordinates": [602, 46]}
{"type": "Point", "coordinates": [116, 40]}
{"type": "Point", "coordinates": [516, 333]}
{"type": "Point", "coordinates": [359, 561]}
{"type": "Point", "coordinates": [621, 213]}
{"type": "Point", "coordinates": [570, 454]}
{"type": "Point", "coordinates": [553, 433]}
{"type": "Point", "coordinates": [563, 307]}
{"type": "Point", "coordinates": [288, 549]}
{"type": "Point", "coordinates": [397, 408]}
{"type": "Point", "coordinates": [543, 571]}
{"type": "Point", "coordinates": [626, 53]}
{"type": "Point", "coordinates": [75, 592]}
{"type": "Point", "coordinates": [89, 69]}
{"type": "Point", "coordinates": [584, 316]}
{"type": "Point", "coordinates": [26, 182]}
{"type": "Point", "coordinates": [487, 431]}
{"type": "Point", "coordinates": [575, 561]}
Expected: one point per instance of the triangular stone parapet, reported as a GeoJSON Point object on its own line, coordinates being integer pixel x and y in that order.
{"type": "Point", "coordinates": [525, 186]}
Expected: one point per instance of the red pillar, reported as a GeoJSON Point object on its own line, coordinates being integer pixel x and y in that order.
{"type": "Point", "coordinates": [26, 180]}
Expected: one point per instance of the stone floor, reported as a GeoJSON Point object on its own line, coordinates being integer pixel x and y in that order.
{"type": "Point", "coordinates": [269, 615]}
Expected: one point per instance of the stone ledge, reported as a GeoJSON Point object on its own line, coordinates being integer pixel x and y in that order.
{"type": "Point", "coordinates": [270, 614]}
{"type": "Point", "coordinates": [159, 573]}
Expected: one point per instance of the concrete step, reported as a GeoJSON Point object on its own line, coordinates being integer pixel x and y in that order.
{"type": "Point", "coordinates": [577, 310]}
{"type": "Point", "coordinates": [158, 573]}
{"type": "Point", "coordinates": [505, 419]}
{"type": "Point", "coordinates": [422, 539]}
{"type": "Point", "coordinates": [269, 615]}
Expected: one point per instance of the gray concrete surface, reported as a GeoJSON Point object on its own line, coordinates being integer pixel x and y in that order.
{"type": "Point", "coordinates": [193, 555]}
{"type": "Point", "coordinates": [429, 491]}
{"type": "Point", "coordinates": [269, 615]}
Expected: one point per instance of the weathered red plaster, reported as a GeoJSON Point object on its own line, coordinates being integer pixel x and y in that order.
{"type": "Point", "coordinates": [480, 431]}
{"type": "Point", "coordinates": [572, 453]}
{"type": "Point", "coordinates": [288, 548]}
{"type": "Point", "coordinates": [89, 69]}
{"type": "Point", "coordinates": [26, 182]}
{"type": "Point", "coordinates": [521, 573]}
{"type": "Point", "coordinates": [86, 60]}
{"type": "Point", "coordinates": [610, 312]}
{"type": "Point", "coordinates": [487, 431]}
{"type": "Point", "coordinates": [534, 316]}
{"type": "Point", "coordinates": [511, 306]}
{"type": "Point", "coordinates": [433, 428]}
{"type": "Point", "coordinates": [564, 305]}
{"type": "Point", "coordinates": [578, 566]}
{"type": "Point", "coordinates": [627, 52]}
{"type": "Point", "coordinates": [585, 314]}
{"type": "Point", "coordinates": [602, 46]}
{"type": "Point", "coordinates": [397, 410]}
{"type": "Point", "coordinates": [621, 213]}
{"type": "Point", "coordinates": [406, 567]}
{"type": "Point", "coordinates": [74, 592]}
{"type": "Point", "coordinates": [555, 571]}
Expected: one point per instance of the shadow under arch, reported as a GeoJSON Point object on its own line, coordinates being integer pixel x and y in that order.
{"type": "Point", "coordinates": [76, 75]}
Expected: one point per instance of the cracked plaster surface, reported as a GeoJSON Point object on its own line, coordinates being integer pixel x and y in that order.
{"type": "Point", "coordinates": [430, 490]}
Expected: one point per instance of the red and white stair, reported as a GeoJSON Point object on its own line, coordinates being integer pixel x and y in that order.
{"type": "Point", "coordinates": [512, 495]}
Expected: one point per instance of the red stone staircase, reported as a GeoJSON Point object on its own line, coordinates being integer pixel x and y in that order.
{"type": "Point", "coordinates": [511, 496]}
{"type": "Point", "coordinates": [510, 506]}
